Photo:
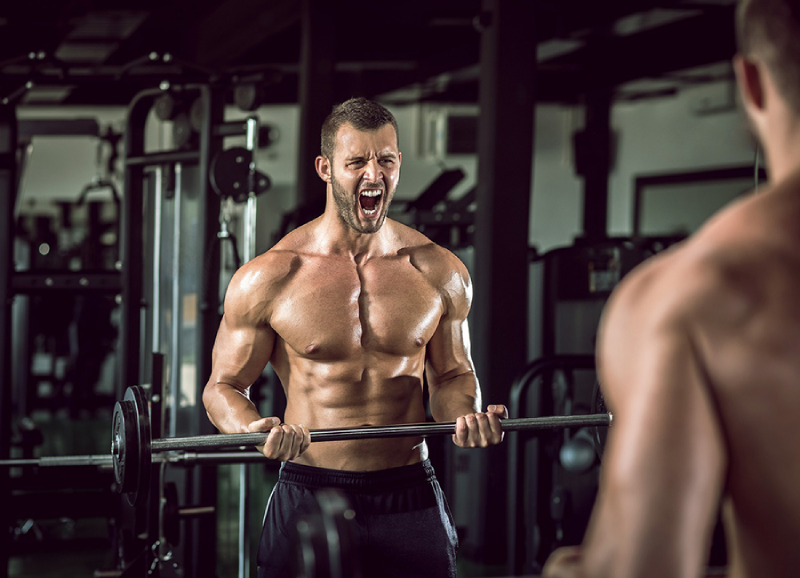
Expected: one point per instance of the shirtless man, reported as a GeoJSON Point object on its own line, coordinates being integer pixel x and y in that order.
{"type": "Point", "coordinates": [699, 357]}
{"type": "Point", "coordinates": [351, 309]}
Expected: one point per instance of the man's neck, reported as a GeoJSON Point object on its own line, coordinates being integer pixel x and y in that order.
{"type": "Point", "coordinates": [335, 236]}
{"type": "Point", "coordinates": [781, 148]}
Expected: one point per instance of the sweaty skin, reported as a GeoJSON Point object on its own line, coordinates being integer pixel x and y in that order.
{"type": "Point", "coordinates": [699, 357]}
{"type": "Point", "coordinates": [351, 309]}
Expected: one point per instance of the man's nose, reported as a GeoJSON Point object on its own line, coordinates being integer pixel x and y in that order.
{"type": "Point", "coordinates": [373, 170]}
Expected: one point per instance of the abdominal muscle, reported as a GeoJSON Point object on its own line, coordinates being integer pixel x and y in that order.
{"type": "Point", "coordinates": [334, 401]}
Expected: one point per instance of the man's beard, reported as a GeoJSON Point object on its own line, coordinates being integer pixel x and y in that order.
{"type": "Point", "coordinates": [347, 208]}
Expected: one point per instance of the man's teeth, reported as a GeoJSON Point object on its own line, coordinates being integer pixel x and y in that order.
{"type": "Point", "coordinates": [371, 193]}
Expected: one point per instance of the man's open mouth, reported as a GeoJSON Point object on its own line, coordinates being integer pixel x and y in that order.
{"type": "Point", "coordinates": [370, 201]}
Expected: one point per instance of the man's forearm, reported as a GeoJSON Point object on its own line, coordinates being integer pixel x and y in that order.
{"type": "Point", "coordinates": [455, 397]}
{"type": "Point", "coordinates": [229, 408]}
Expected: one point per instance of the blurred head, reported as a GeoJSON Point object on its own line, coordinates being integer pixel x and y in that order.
{"type": "Point", "coordinates": [768, 31]}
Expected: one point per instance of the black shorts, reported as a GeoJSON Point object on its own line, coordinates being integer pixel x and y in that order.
{"type": "Point", "coordinates": [402, 523]}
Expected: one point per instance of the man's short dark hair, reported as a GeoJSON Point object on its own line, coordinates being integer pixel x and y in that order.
{"type": "Point", "coordinates": [362, 114]}
{"type": "Point", "coordinates": [770, 30]}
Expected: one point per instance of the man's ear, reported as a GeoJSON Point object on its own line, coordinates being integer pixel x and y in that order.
{"type": "Point", "coordinates": [323, 166]}
{"type": "Point", "coordinates": [751, 84]}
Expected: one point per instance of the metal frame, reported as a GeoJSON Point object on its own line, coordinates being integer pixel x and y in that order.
{"type": "Point", "coordinates": [316, 97]}
{"type": "Point", "coordinates": [758, 174]}
{"type": "Point", "coordinates": [8, 193]}
{"type": "Point", "coordinates": [30, 282]}
{"type": "Point", "coordinates": [136, 365]}
{"type": "Point", "coordinates": [593, 154]}
{"type": "Point", "coordinates": [539, 489]}
{"type": "Point", "coordinates": [507, 101]}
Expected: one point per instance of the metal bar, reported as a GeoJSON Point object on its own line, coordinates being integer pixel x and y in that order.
{"type": "Point", "coordinates": [158, 207]}
{"type": "Point", "coordinates": [194, 511]}
{"type": "Point", "coordinates": [38, 281]}
{"type": "Point", "coordinates": [403, 430]}
{"type": "Point", "coordinates": [234, 128]}
{"type": "Point", "coordinates": [249, 253]}
{"type": "Point", "coordinates": [53, 461]}
{"type": "Point", "coordinates": [192, 458]}
{"type": "Point", "coordinates": [523, 497]}
{"type": "Point", "coordinates": [507, 103]}
{"type": "Point", "coordinates": [107, 460]}
{"type": "Point", "coordinates": [315, 97]}
{"type": "Point", "coordinates": [187, 157]}
{"type": "Point", "coordinates": [250, 228]}
{"type": "Point", "coordinates": [595, 150]}
{"type": "Point", "coordinates": [321, 435]}
{"type": "Point", "coordinates": [177, 311]}
{"type": "Point", "coordinates": [58, 127]}
{"type": "Point", "coordinates": [251, 210]}
{"type": "Point", "coordinates": [244, 533]}
{"type": "Point", "coordinates": [8, 194]}
{"type": "Point", "coordinates": [201, 485]}
{"type": "Point", "coordinates": [131, 245]}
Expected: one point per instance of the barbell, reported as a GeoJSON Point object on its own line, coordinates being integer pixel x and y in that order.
{"type": "Point", "coordinates": [133, 450]}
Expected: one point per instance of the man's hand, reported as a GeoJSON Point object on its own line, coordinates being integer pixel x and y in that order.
{"type": "Point", "coordinates": [563, 563]}
{"type": "Point", "coordinates": [284, 442]}
{"type": "Point", "coordinates": [479, 430]}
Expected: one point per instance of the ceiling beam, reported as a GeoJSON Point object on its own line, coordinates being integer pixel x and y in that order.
{"type": "Point", "coordinates": [235, 27]}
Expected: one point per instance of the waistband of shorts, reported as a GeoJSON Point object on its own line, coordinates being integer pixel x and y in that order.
{"type": "Point", "coordinates": [376, 480]}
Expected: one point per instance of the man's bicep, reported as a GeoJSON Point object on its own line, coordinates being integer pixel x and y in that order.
{"type": "Point", "coordinates": [241, 351]}
{"type": "Point", "coordinates": [448, 351]}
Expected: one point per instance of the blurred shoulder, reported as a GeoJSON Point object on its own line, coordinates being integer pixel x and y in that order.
{"type": "Point", "coordinates": [698, 284]}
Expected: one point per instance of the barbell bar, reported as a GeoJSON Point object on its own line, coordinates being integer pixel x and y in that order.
{"type": "Point", "coordinates": [133, 451]}
{"type": "Point", "coordinates": [107, 460]}
{"type": "Point", "coordinates": [378, 431]}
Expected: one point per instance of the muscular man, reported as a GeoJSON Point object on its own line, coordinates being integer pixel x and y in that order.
{"type": "Point", "coordinates": [351, 309]}
{"type": "Point", "coordinates": [699, 357]}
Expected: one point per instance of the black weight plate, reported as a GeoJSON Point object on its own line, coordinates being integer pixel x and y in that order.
{"type": "Point", "coordinates": [262, 182]}
{"type": "Point", "coordinates": [325, 540]}
{"type": "Point", "coordinates": [249, 96]}
{"type": "Point", "coordinates": [182, 131]}
{"type": "Point", "coordinates": [166, 106]}
{"type": "Point", "coordinates": [142, 456]}
{"type": "Point", "coordinates": [124, 442]}
{"type": "Point", "coordinates": [230, 170]}
{"type": "Point", "coordinates": [197, 114]}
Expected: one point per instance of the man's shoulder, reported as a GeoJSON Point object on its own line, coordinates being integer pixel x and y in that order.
{"type": "Point", "coordinates": [700, 281]}
{"type": "Point", "coordinates": [434, 261]}
{"type": "Point", "coordinates": [266, 273]}
{"type": "Point", "coordinates": [440, 266]}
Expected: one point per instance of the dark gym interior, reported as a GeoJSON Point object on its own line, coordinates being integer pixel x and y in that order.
{"type": "Point", "coordinates": [553, 145]}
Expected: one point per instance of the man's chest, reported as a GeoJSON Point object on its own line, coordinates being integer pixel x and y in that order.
{"type": "Point", "coordinates": [333, 312]}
